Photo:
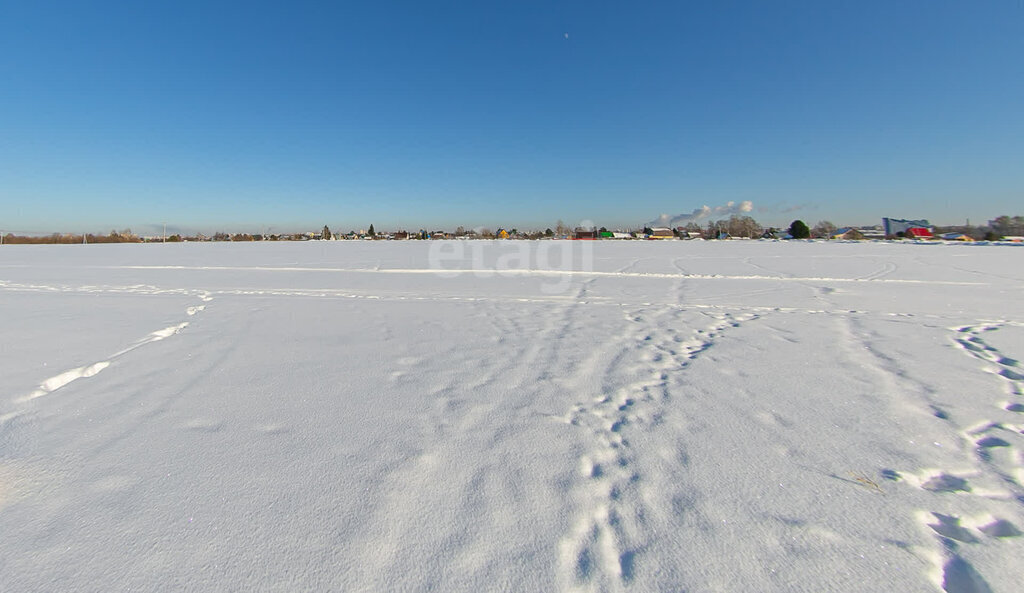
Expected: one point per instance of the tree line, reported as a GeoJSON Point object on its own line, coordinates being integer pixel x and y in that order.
{"type": "Point", "coordinates": [734, 226]}
{"type": "Point", "coordinates": [125, 236]}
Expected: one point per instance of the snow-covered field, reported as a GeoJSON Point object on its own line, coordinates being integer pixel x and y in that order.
{"type": "Point", "coordinates": [682, 416]}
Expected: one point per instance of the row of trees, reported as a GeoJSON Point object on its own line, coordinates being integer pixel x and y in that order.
{"type": "Point", "coordinates": [125, 236]}
{"type": "Point", "coordinates": [736, 226]}
{"type": "Point", "coordinates": [997, 228]}
{"type": "Point", "coordinates": [1008, 225]}
{"type": "Point", "coordinates": [745, 226]}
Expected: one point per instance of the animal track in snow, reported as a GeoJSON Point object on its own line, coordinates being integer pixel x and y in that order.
{"type": "Point", "coordinates": [1000, 528]}
{"type": "Point", "coordinates": [994, 447]}
{"type": "Point", "coordinates": [944, 482]}
{"type": "Point", "coordinates": [954, 573]}
{"type": "Point", "coordinates": [604, 549]}
{"type": "Point", "coordinates": [964, 482]}
{"type": "Point", "coordinates": [998, 475]}
{"type": "Point", "coordinates": [971, 340]}
{"type": "Point", "coordinates": [996, 444]}
{"type": "Point", "coordinates": [949, 527]}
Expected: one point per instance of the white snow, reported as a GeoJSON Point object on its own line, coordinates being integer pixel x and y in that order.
{"type": "Point", "coordinates": [512, 416]}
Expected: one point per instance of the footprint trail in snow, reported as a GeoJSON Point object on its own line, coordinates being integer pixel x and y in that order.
{"type": "Point", "coordinates": [605, 547]}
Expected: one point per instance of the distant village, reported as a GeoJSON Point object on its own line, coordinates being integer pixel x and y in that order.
{"type": "Point", "coordinates": [736, 227]}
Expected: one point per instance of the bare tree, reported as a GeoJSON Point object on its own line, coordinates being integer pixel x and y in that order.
{"type": "Point", "coordinates": [741, 226]}
{"type": "Point", "coordinates": [1007, 225]}
{"type": "Point", "coordinates": [823, 230]}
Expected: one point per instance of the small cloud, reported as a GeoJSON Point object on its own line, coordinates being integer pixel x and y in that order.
{"type": "Point", "coordinates": [786, 209]}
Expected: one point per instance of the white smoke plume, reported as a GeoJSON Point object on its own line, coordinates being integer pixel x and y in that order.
{"type": "Point", "coordinates": [702, 213]}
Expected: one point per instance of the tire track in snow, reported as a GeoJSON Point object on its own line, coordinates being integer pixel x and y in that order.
{"type": "Point", "coordinates": [676, 300]}
{"type": "Point", "coordinates": [886, 269]}
{"type": "Point", "coordinates": [140, 289]}
{"type": "Point", "coordinates": [605, 546]}
{"type": "Point", "coordinates": [749, 261]}
{"type": "Point", "coordinates": [547, 272]}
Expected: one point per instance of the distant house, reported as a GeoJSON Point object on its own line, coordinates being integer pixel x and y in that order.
{"type": "Point", "coordinates": [662, 233]}
{"type": "Point", "coordinates": [848, 233]}
{"type": "Point", "coordinates": [583, 234]}
{"type": "Point", "coordinates": [438, 235]}
{"type": "Point", "coordinates": [606, 235]}
{"type": "Point", "coordinates": [895, 226]}
{"type": "Point", "coordinates": [919, 233]}
{"type": "Point", "coordinates": [400, 236]}
{"type": "Point", "coordinates": [872, 232]}
{"type": "Point", "coordinates": [957, 237]}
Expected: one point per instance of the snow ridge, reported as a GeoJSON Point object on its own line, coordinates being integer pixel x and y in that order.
{"type": "Point", "coordinates": [56, 382]}
{"type": "Point", "coordinates": [63, 379]}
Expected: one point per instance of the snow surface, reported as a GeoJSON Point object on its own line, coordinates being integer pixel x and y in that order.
{"type": "Point", "coordinates": [680, 416]}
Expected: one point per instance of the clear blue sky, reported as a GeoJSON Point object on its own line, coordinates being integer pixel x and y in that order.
{"type": "Point", "coordinates": [216, 115]}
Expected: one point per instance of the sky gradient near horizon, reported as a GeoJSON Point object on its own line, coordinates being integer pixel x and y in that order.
{"type": "Point", "coordinates": [243, 116]}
